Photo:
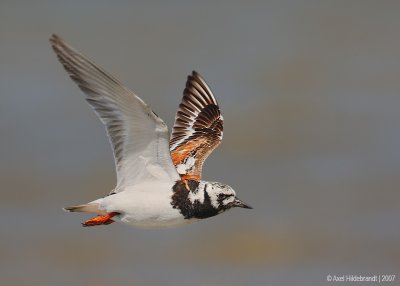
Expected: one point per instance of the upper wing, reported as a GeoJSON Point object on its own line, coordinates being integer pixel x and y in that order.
{"type": "Point", "coordinates": [139, 138]}
{"type": "Point", "coordinates": [197, 130]}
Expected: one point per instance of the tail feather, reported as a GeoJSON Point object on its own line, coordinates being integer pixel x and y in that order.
{"type": "Point", "coordinates": [86, 208]}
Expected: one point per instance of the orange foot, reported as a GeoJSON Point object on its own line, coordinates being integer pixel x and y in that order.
{"type": "Point", "coordinates": [101, 219]}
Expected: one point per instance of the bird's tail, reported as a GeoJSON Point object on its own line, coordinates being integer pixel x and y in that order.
{"type": "Point", "coordinates": [85, 208]}
{"type": "Point", "coordinates": [103, 217]}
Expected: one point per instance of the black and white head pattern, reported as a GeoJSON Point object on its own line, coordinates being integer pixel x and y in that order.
{"type": "Point", "coordinates": [203, 199]}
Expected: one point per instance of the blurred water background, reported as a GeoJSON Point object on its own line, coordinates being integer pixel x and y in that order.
{"type": "Point", "coordinates": [310, 93]}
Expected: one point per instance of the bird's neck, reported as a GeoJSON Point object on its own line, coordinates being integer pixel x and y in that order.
{"type": "Point", "coordinates": [192, 200]}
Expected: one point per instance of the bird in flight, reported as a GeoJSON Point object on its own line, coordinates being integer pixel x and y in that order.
{"type": "Point", "coordinates": [158, 178]}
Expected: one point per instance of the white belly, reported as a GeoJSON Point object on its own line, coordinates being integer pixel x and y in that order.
{"type": "Point", "coordinates": [145, 206]}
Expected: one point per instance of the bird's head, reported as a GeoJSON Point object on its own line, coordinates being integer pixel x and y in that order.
{"type": "Point", "coordinates": [223, 197]}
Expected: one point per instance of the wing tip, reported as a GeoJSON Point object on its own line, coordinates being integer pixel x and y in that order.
{"type": "Point", "coordinates": [54, 37]}
{"type": "Point", "coordinates": [195, 76]}
{"type": "Point", "coordinates": [58, 45]}
{"type": "Point", "coordinates": [196, 73]}
{"type": "Point", "coordinates": [55, 40]}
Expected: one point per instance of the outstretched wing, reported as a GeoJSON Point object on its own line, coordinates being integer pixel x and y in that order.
{"type": "Point", "coordinates": [197, 130]}
{"type": "Point", "coordinates": [139, 138]}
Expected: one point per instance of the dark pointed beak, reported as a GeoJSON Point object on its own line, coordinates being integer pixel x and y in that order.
{"type": "Point", "coordinates": [238, 203]}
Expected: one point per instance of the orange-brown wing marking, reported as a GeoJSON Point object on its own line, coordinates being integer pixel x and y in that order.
{"type": "Point", "coordinates": [197, 130]}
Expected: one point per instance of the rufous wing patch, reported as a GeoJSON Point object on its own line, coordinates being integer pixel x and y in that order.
{"type": "Point", "coordinates": [183, 151]}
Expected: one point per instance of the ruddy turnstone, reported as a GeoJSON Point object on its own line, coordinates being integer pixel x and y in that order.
{"type": "Point", "coordinates": [158, 179]}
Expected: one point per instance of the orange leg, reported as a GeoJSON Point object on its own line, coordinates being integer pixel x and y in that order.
{"type": "Point", "coordinates": [101, 219]}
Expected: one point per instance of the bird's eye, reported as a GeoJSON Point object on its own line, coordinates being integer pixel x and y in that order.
{"type": "Point", "coordinates": [223, 197]}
